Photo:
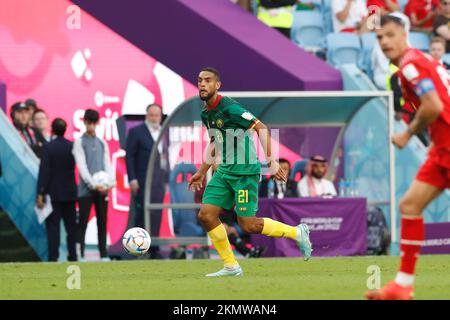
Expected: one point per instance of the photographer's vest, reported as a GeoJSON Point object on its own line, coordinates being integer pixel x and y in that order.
{"type": "Point", "coordinates": [276, 17]}
{"type": "Point", "coordinates": [393, 69]}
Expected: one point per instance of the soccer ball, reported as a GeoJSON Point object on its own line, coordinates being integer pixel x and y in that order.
{"type": "Point", "coordinates": [136, 241]}
{"type": "Point", "coordinates": [100, 178]}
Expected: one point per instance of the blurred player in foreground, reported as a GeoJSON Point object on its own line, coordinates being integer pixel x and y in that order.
{"type": "Point", "coordinates": [237, 177]}
{"type": "Point", "coordinates": [426, 85]}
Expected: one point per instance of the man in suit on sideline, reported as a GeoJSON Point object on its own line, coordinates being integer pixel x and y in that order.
{"type": "Point", "coordinates": [140, 142]}
{"type": "Point", "coordinates": [57, 179]}
{"type": "Point", "coordinates": [282, 189]}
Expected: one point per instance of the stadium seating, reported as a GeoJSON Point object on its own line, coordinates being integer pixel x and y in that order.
{"type": "Point", "coordinates": [326, 12]}
{"type": "Point", "coordinates": [402, 4]}
{"type": "Point", "coordinates": [446, 58]}
{"type": "Point", "coordinates": [343, 48]}
{"type": "Point", "coordinates": [308, 30]}
{"type": "Point", "coordinates": [367, 42]}
{"type": "Point", "coordinates": [419, 40]}
{"type": "Point", "coordinates": [184, 220]}
{"type": "Point", "coordinates": [298, 167]}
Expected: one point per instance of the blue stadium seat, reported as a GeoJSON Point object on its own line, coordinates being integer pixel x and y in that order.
{"type": "Point", "coordinates": [402, 4]}
{"type": "Point", "coordinates": [185, 222]}
{"type": "Point", "coordinates": [419, 40]}
{"type": "Point", "coordinates": [368, 40]}
{"type": "Point", "coordinates": [342, 48]}
{"type": "Point", "coordinates": [299, 166]}
{"type": "Point", "coordinates": [327, 18]}
{"type": "Point", "coordinates": [318, 4]}
{"type": "Point", "coordinates": [446, 58]}
{"type": "Point", "coordinates": [308, 30]}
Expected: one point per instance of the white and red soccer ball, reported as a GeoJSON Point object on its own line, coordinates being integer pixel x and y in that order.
{"type": "Point", "coordinates": [136, 241]}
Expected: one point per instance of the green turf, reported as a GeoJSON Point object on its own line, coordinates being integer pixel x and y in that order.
{"type": "Point", "coordinates": [287, 278]}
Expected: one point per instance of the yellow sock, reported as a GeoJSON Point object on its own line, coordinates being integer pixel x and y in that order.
{"type": "Point", "coordinates": [277, 229]}
{"type": "Point", "coordinates": [220, 241]}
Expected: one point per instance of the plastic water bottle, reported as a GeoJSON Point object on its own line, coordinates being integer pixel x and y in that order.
{"type": "Point", "coordinates": [270, 189]}
{"type": "Point", "coordinates": [342, 188]}
{"type": "Point", "coordinates": [355, 188]}
{"type": "Point", "coordinates": [349, 188]}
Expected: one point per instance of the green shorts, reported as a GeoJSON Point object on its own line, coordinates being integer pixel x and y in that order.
{"type": "Point", "coordinates": [226, 190]}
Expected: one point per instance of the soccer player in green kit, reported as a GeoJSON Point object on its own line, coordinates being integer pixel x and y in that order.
{"type": "Point", "coordinates": [235, 182]}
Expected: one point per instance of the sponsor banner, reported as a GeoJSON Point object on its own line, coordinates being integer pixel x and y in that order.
{"type": "Point", "coordinates": [338, 226]}
{"type": "Point", "coordinates": [437, 238]}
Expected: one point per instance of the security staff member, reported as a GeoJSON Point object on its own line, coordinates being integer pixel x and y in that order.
{"type": "Point", "coordinates": [277, 14]}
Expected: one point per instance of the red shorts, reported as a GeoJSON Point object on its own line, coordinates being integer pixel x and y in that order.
{"type": "Point", "coordinates": [433, 173]}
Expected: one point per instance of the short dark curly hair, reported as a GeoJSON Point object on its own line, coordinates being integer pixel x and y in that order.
{"type": "Point", "coordinates": [213, 71]}
{"type": "Point", "coordinates": [91, 116]}
{"type": "Point", "coordinates": [59, 127]}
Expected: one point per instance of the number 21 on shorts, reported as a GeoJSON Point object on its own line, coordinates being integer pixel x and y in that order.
{"type": "Point", "coordinates": [242, 196]}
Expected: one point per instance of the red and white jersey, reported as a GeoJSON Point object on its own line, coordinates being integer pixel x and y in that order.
{"type": "Point", "coordinates": [419, 74]}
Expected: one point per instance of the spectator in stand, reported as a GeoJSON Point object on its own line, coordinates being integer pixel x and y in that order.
{"type": "Point", "coordinates": [20, 115]}
{"type": "Point", "coordinates": [385, 6]}
{"type": "Point", "coordinates": [305, 6]}
{"type": "Point", "coordinates": [349, 16]}
{"type": "Point", "coordinates": [421, 13]}
{"type": "Point", "coordinates": [277, 14]}
{"type": "Point", "coordinates": [437, 50]}
{"type": "Point", "coordinates": [313, 184]}
{"type": "Point", "coordinates": [40, 122]}
{"type": "Point", "coordinates": [441, 23]}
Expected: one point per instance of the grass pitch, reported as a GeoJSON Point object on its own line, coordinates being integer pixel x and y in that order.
{"type": "Point", "coordinates": [285, 278]}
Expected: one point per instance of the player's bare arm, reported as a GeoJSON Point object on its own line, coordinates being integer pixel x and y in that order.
{"type": "Point", "coordinates": [264, 137]}
{"type": "Point", "coordinates": [431, 107]}
{"type": "Point", "coordinates": [196, 181]}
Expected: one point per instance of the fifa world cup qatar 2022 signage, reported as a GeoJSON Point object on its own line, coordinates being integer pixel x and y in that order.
{"type": "Point", "coordinates": [68, 69]}
{"type": "Point", "coordinates": [69, 62]}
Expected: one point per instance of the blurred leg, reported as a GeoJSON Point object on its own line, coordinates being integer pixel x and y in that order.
{"type": "Point", "coordinates": [69, 216]}
{"type": "Point", "coordinates": [101, 208]}
{"type": "Point", "coordinates": [53, 232]}
{"type": "Point", "coordinates": [85, 204]}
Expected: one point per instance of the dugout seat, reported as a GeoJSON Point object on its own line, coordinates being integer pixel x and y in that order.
{"type": "Point", "coordinates": [185, 221]}
{"type": "Point", "coordinates": [298, 167]}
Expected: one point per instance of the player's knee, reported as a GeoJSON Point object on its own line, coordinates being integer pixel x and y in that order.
{"type": "Point", "coordinates": [203, 216]}
{"type": "Point", "coordinates": [408, 207]}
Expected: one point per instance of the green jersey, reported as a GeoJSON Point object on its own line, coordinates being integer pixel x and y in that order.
{"type": "Point", "coordinates": [229, 125]}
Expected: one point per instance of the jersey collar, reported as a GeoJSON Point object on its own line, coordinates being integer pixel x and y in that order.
{"type": "Point", "coordinates": [216, 103]}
